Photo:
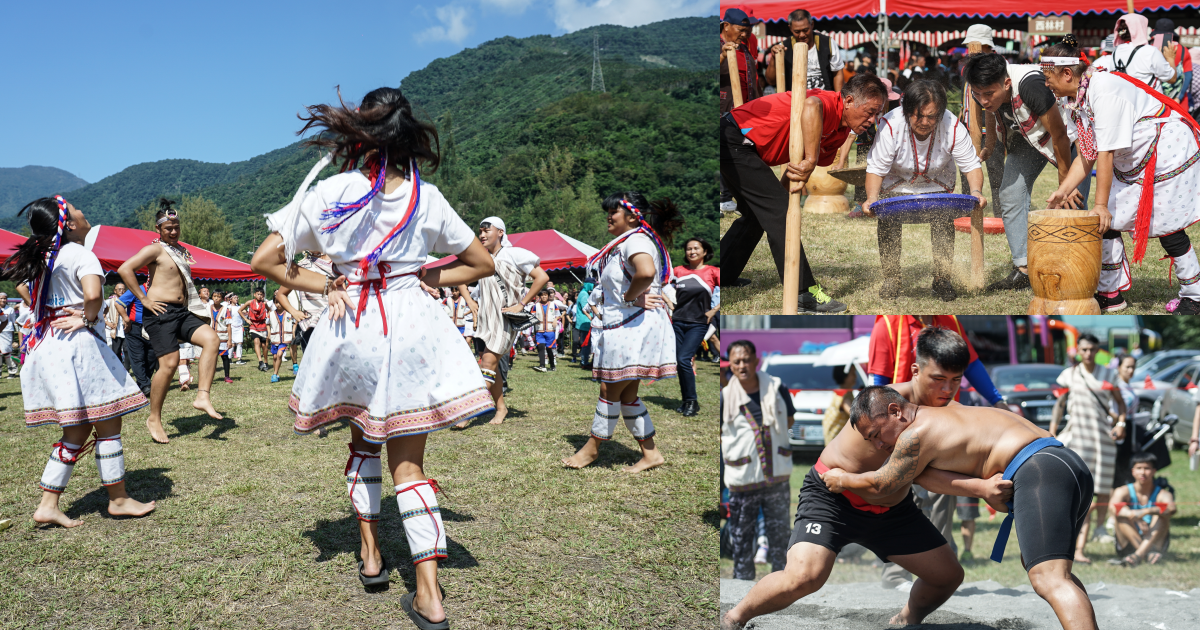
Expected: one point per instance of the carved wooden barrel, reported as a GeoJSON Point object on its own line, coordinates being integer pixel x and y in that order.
{"type": "Point", "coordinates": [1064, 262]}
{"type": "Point", "coordinates": [826, 194]}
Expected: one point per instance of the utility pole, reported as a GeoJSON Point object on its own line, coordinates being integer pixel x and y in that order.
{"type": "Point", "coordinates": [597, 72]}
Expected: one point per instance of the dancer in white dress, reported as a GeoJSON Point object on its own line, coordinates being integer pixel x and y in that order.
{"type": "Point", "coordinates": [237, 330]}
{"type": "Point", "coordinates": [637, 341]}
{"type": "Point", "coordinates": [501, 294]}
{"type": "Point", "coordinates": [1126, 130]}
{"type": "Point", "coordinates": [396, 368]}
{"type": "Point", "coordinates": [71, 378]}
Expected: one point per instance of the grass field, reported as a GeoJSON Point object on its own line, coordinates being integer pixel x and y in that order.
{"type": "Point", "coordinates": [845, 259]}
{"type": "Point", "coordinates": [1179, 569]}
{"type": "Point", "coordinates": [254, 528]}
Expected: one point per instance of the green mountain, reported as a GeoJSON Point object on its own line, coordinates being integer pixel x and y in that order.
{"type": "Point", "coordinates": [19, 186]}
{"type": "Point", "coordinates": [521, 135]}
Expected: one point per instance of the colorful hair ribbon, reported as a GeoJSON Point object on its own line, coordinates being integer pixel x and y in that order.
{"type": "Point", "coordinates": [644, 228]}
{"type": "Point", "coordinates": [344, 211]}
{"type": "Point", "coordinates": [40, 287]}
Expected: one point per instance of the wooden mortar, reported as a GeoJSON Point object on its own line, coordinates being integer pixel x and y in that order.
{"type": "Point", "coordinates": [1064, 262]}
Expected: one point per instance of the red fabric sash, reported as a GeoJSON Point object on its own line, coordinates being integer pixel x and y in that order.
{"type": "Point", "coordinates": [856, 501]}
{"type": "Point", "coordinates": [1145, 210]}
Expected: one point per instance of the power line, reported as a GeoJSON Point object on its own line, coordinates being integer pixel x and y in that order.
{"type": "Point", "coordinates": [597, 71]}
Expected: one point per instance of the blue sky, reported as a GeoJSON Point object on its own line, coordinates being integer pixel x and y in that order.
{"type": "Point", "coordinates": [93, 88]}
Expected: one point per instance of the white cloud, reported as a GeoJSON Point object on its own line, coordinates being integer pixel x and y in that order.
{"type": "Point", "coordinates": [453, 27]}
{"type": "Point", "coordinates": [513, 6]}
{"type": "Point", "coordinates": [572, 15]}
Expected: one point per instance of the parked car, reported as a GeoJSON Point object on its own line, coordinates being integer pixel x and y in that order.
{"type": "Point", "coordinates": [1180, 399]}
{"type": "Point", "coordinates": [1155, 362]}
{"type": "Point", "coordinates": [811, 387]}
{"type": "Point", "coordinates": [1030, 387]}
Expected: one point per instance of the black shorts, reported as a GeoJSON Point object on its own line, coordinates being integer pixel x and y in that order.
{"type": "Point", "coordinates": [828, 519]}
{"type": "Point", "coordinates": [1052, 493]}
{"type": "Point", "coordinates": [967, 508]}
{"type": "Point", "coordinates": [254, 334]}
{"type": "Point", "coordinates": [175, 326]}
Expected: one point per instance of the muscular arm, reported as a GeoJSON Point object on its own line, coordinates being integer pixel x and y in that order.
{"type": "Point", "coordinates": [899, 470]}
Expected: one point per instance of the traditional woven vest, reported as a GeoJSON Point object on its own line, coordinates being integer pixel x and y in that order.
{"type": "Point", "coordinates": [1030, 127]}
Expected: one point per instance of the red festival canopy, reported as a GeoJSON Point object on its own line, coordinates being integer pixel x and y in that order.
{"type": "Point", "coordinates": [555, 249]}
{"type": "Point", "coordinates": [115, 245]}
{"type": "Point", "coordinates": [9, 241]}
{"type": "Point", "coordinates": [774, 10]}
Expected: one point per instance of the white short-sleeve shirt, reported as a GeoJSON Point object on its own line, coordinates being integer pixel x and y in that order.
{"type": "Point", "coordinates": [436, 226]}
{"type": "Point", "coordinates": [1116, 106]}
{"type": "Point", "coordinates": [73, 264]}
{"type": "Point", "coordinates": [519, 257]}
{"type": "Point", "coordinates": [892, 156]}
{"type": "Point", "coordinates": [1148, 65]}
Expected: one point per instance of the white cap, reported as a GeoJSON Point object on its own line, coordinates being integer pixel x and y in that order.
{"type": "Point", "coordinates": [981, 33]}
{"type": "Point", "coordinates": [498, 223]}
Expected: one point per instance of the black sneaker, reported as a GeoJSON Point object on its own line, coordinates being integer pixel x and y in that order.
{"type": "Point", "coordinates": [815, 301]}
{"type": "Point", "coordinates": [1014, 280]}
{"type": "Point", "coordinates": [1187, 306]}
{"type": "Point", "coordinates": [890, 289]}
{"type": "Point", "coordinates": [1113, 304]}
{"type": "Point", "coordinates": [944, 290]}
{"type": "Point", "coordinates": [738, 282]}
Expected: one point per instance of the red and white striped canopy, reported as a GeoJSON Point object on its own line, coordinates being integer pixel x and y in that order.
{"type": "Point", "coordinates": [1087, 37]}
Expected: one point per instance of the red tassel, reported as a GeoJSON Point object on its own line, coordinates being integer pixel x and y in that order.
{"type": "Point", "coordinates": [1145, 210]}
{"type": "Point", "coordinates": [1170, 269]}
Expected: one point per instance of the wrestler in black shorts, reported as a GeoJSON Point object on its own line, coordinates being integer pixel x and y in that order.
{"type": "Point", "coordinates": [829, 520]}
{"type": "Point", "coordinates": [176, 325]}
{"type": "Point", "coordinates": [1052, 493]}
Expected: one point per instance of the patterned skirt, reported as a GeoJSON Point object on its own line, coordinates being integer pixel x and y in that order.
{"type": "Point", "coordinates": [635, 345]}
{"type": "Point", "coordinates": [73, 379]}
{"type": "Point", "coordinates": [418, 378]}
{"type": "Point", "coordinates": [1087, 435]}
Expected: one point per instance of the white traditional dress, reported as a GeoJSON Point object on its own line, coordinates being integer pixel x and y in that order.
{"type": "Point", "coordinates": [1142, 133]}
{"type": "Point", "coordinates": [1087, 432]}
{"type": "Point", "coordinates": [402, 369]}
{"type": "Point", "coordinates": [75, 378]}
{"type": "Point", "coordinates": [910, 166]}
{"type": "Point", "coordinates": [635, 343]}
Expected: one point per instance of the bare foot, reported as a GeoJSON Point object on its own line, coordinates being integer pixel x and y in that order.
{"type": "Point", "coordinates": [430, 606]}
{"type": "Point", "coordinates": [372, 564]}
{"type": "Point", "coordinates": [1153, 557]}
{"type": "Point", "coordinates": [156, 430]}
{"type": "Point", "coordinates": [1082, 559]}
{"type": "Point", "coordinates": [54, 515]}
{"type": "Point", "coordinates": [647, 462]}
{"type": "Point", "coordinates": [901, 619]}
{"type": "Point", "coordinates": [501, 413]}
{"type": "Point", "coordinates": [126, 506]}
{"type": "Point", "coordinates": [729, 624]}
{"type": "Point", "coordinates": [582, 457]}
{"type": "Point", "coordinates": [203, 403]}
{"type": "Point", "coordinates": [183, 388]}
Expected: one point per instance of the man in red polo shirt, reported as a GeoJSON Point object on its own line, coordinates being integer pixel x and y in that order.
{"type": "Point", "coordinates": [754, 137]}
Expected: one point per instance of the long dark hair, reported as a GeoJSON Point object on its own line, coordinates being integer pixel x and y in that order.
{"type": "Point", "coordinates": [28, 262]}
{"type": "Point", "coordinates": [661, 215]}
{"type": "Point", "coordinates": [383, 122]}
{"type": "Point", "coordinates": [705, 245]}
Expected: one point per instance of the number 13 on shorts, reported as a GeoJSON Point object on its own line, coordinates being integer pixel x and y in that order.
{"type": "Point", "coordinates": [812, 528]}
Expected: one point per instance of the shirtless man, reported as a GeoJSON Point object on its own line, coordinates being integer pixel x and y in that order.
{"type": "Point", "coordinates": [1051, 484]}
{"type": "Point", "coordinates": [167, 319]}
{"type": "Point", "coordinates": [895, 529]}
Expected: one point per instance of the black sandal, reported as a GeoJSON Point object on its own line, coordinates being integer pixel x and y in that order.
{"type": "Point", "coordinates": [406, 602]}
{"type": "Point", "coordinates": [369, 581]}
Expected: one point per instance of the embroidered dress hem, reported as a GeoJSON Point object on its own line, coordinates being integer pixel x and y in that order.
{"type": "Point", "coordinates": [378, 430]}
{"type": "Point", "coordinates": [90, 414]}
{"type": "Point", "coordinates": [634, 373]}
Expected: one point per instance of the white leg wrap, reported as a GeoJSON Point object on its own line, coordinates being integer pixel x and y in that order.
{"type": "Point", "coordinates": [185, 376]}
{"type": "Point", "coordinates": [1114, 266]}
{"type": "Point", "coordinates": [637, 419]}
{"type": "Point", "coordinates": [364, 479]}
{"type": "Point", "coordinates": [110, 459]}
{"type": "Point", "coordinates": [59, 468]}
{"type": "Point", "coordinates": [1187, 269]}
{"type": "Point", "coordinates": [604, 424]}
{"type": "Point", "coordinates": [422, 520]}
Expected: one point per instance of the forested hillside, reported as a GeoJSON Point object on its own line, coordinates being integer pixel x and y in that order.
{"type": "Point", "coordinates": [522, 136]}
{"type": "Point", "coordinates": [19, 186]}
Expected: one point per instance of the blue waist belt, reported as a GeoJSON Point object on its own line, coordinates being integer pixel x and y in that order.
{"type": "Point", "coordinates": [1013, 466]}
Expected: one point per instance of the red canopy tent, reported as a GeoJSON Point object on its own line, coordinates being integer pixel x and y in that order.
{"type": "Point", "coordinates": [9, 241]}
{"type": "Point", "coordinates": [115, 245]}
{"type": "Point", "coordinates": [555, 249]}
{"type": "Point", "coordinates": [778, 10]}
